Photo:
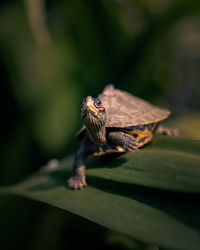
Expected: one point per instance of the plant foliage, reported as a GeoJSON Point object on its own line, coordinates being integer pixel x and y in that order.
{"type": "Point", "coordinates": [151, 195]}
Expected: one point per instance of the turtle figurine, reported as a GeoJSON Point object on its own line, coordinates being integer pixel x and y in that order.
{"type": "Point", "coordinates": [115, 122]}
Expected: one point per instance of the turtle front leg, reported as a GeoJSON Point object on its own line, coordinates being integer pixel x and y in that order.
{"type": "Point", "coordinates": [166, 131]}
{"type": "Point", "coordinates": [78, 177]}
{"type": "Point", "coordinates": [127, 142]}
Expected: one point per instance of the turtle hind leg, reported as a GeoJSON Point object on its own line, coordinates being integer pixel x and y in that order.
{"type": "Point", "coordinates": [166, 131]}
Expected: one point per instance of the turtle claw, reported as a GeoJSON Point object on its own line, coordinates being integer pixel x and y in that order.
{"type": "Point", "coordinates": [132, 148]}
{"type": "Point", "coordinates": [130, 143]}
{"type": "Point", "coordinates": [77, 182]}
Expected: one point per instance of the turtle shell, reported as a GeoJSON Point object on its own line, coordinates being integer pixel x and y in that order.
{"type": "Point", "coordinates": [125, 110]}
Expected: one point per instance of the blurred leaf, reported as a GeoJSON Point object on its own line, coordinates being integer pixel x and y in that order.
{"type": "Point", "coordinates": [188, 125]}
{"type": "Point", "coordinates": [36, 16]}
{"type": "Point", "coordinates": [158, 26]}
{"type": "Point", "coordinates": [117, 199]}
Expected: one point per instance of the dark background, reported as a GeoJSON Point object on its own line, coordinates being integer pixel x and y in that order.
{"type": "Point", "coordinates": [52, 54]}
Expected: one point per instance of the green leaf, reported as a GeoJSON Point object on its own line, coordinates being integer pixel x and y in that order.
{"type": "Point", "coordinates": [188, 124]}
{"type": "Point", "coordinates": [166, 163]}
{"type": "Point", "coordinates": [151, 195]}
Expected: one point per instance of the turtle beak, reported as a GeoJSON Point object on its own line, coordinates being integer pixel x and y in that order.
{"type": "Point", "coordinates": [89, 101]}
{"type": "Point", "coordinates": [89, 105]}
{"type": "Point", "coordinates": [86, 103]}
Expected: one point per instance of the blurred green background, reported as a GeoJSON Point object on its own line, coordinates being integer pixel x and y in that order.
{"type": "Point", "coordinates": [52, 54]}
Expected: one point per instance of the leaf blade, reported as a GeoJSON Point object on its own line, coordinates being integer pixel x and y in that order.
{"type": "Point", "coordinates": [144, 211]}
{"type": "Point", "coordinates": [165, 164]}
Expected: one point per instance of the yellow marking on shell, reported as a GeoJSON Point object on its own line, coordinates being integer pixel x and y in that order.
{"type": "Point", "coordinates": [142, 134]}
{"type": "Point", "coordinates": [118, 149]}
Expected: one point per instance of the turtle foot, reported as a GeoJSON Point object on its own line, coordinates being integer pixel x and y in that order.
{"type": "Point", "coordinates": [167, 131]}
{"type": "Point", "coordinates": [77, 182]}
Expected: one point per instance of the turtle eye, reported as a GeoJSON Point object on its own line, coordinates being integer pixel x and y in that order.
{"type": "Point", "coordinates": [83, 102]}
{"type": "Point", "coordinates": [97, 103]}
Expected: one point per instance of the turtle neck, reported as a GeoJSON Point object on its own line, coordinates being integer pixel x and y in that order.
{"type": "Point", "coordinates": [95, 127]}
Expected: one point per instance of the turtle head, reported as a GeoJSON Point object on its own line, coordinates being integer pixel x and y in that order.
{"type": "Point", "coordinates": [93, 112]}
{"type": "Point", "coordinates": [93, 115]}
